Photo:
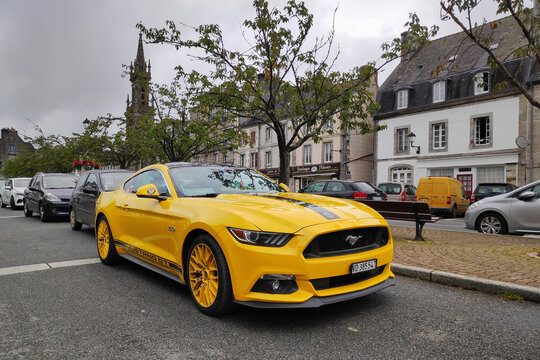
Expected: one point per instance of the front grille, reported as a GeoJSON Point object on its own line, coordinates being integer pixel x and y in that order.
{"type": "Point", "coordinates": [336, 281]}
{"type": "Point", "coordinates": [347, 242]}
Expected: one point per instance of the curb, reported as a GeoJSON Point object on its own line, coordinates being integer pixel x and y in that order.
{"type": "Point", "coordinates": [467, 282]}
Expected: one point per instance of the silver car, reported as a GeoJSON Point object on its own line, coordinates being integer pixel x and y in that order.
{"type": "Point", "coordinates": [515, 212]}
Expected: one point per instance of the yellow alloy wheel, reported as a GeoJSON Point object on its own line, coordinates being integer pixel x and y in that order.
{"type": "Point", "coordinates": [103, 239]}
{"type": "Point", "coordinates": [203, 275]}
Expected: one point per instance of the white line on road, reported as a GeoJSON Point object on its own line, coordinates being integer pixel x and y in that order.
{"type": "Point", "coordinates": [46, 266]}
{"type": "Point", "coordinates": [9, 217]}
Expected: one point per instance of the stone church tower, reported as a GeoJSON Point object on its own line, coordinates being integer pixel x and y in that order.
{"type": "Point", "coordinates": [139, 75]}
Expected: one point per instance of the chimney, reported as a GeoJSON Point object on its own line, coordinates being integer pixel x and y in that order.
{"type": "Point", "coordinates": [404, 43]}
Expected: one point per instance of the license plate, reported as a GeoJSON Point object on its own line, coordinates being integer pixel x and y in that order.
{"type": "Point", "coordinates": [363, 266]}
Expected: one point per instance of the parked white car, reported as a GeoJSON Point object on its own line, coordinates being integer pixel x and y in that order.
{"type": "Point", "coordinates": [12, 192]}
{"type": "Point", "coordinates": [515, 212]}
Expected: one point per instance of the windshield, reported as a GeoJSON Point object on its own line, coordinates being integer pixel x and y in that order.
{"type": "Point", "coordinates": [111, 181]}
{"type": "Point", "coordinates": [59, 181]}
{"type": "Point", "coordinates": [21, 183]}
{"type": "Point", "coordinates": [206, 180]}
{"type": "Point", "coordinates": [492, 189]}
{"type": "Point", "coordinates": [391, 189]}
{"type": "Point", "coordinates": [365, 187]}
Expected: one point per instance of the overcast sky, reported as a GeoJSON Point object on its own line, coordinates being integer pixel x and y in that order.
{"type": "Point", "coordinates": [61, 60]}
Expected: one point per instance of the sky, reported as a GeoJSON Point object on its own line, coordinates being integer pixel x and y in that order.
{"type": "Point", "coordinates": [61, 60]}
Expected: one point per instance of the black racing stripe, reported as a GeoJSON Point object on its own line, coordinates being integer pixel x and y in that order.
{"type": "Point", "coordinates": [328, 215]}
{"type": "Point", "coordinates": [149, 257]}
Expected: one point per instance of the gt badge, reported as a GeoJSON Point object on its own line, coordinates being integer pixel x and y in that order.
{"type": "Point", "coordinates": [171, 228]}
{"type": "Point", "coordinates": [351, 239]}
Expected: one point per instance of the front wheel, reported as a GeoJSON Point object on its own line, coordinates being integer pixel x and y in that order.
{"type": "Point", "coordinates": [27, 212]}
{"type": "Point", "coordinates": [208, 277]}
{"type": "Point", "coordinates": [491, 223]}
{"type": "Point", "coordinates": [43, 216]}
{"type": "Point", "coordinates": [105, 243]}
{"type": "Point", "coordinates": [12, 204]}
{"type": "Point", "coordinates": [75, 225]}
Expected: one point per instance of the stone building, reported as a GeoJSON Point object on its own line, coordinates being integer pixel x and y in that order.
{"type": "Point", "coordinates": [11, 145]}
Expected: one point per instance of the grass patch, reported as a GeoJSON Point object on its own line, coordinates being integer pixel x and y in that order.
{"type": "Point", "coordinates": [508, 295]}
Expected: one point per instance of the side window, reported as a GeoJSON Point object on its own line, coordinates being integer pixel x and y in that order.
{"type": "Point", "coordinates": [149, 177]}
{"type": "Point", "coordinates": [314, 187]}
{"type": "Point", "coordinates": [37, 182]}
{"type": "Point", "coordinates": [92, 181]}
{"type": "Point", "coordinates": [10, 183]}
{"type": "Point", "coordinates": [335, 186]}
{"type": "Point", "coordinates": [80, 182]}
{"type": "Point", "coordinates": [129, 185]}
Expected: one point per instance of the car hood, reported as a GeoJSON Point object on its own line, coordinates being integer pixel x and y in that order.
{"type": "Point", "coordinates": [63, 193]}
{"type": "Point", "coordinates": [287, 212]}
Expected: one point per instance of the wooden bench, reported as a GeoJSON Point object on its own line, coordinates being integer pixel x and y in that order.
{"type": "Point", "coordinates": [404, 210]}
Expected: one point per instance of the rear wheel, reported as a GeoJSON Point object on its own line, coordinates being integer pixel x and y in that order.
{"type": "Point", "coordinates": [27, 212]}
{"type": "Point", "coordinates": [491, 223]}
{"type": "Point", "coordinates": [453, 212]}
{"type": "Point", "coordinates": [2, 202]}
{"type": "Point", "coordinates": [208, 277]}
{"type": "Point", "coordinates": [105, 243]}
{"type": "Point", "coordinates": [75, 225]}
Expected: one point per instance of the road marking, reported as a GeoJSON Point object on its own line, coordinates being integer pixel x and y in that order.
{"type": "Point", "coordinates": [9, 217]}
{"type": "Point", "coordinates": [46, 266]}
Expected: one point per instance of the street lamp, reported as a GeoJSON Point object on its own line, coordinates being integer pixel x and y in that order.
{"type": "Point", "coordinates": [412, 137]}
{"type": "Point", "coordinates": [85, 123]}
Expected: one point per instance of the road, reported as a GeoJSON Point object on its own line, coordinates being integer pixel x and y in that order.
{"type": "Point", "coordinates": [66, 310]}
{"type": "Point", "coordinates": [456, 224]}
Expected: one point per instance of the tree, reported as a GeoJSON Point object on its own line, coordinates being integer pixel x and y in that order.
{"type": "Point", "coordinates": [185, 125]}
{"type": "Point", "coordinates": [461, 13]}
{"type": "Point", "coordinates": [279, 80]}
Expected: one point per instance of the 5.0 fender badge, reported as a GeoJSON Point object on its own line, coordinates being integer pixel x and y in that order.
{"type": "Point", "coordinates": [351, 239]}
{"type": "Point", "coordinates": [171, 228]}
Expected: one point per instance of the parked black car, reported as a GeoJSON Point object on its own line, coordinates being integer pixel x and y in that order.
{"type": "Point", "coordinates": [484, 190]}
{"type": "Point", "coordinates": [82, 206]}
{"type": "Point", "coordinates": [48, 195]}
{"type": "Point", "coordinates": [345, 189]}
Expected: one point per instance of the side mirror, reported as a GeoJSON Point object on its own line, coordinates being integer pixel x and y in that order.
{"type": "Point", "coordinates": [284, 187]}
{"type": "Point", "coordinates": [90, 190]}
{"type": "Point", "coordinates": [527, 195]}
{"type": "Point", "coordinates": [149, 191]}
{"type": "Point", "coordinates": [7, 187]}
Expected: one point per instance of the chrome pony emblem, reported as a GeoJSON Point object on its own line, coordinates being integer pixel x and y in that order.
{"type": "Point", "coordinates": [351, 239]}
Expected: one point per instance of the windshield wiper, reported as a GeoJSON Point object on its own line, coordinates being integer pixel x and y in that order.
{"type": "Point", "coordinates": [206, 195]}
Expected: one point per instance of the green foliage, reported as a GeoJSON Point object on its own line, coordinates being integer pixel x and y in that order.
{"type": "Point", "coordinates": [279, 81]}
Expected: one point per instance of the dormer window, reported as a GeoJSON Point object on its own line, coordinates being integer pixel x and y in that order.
{"type": "Point", "coordinates": [402, 99]}
{"type": "Point", "coordinates": [481, 83]}
{"type": "Point", "coordinates": [439, 91]}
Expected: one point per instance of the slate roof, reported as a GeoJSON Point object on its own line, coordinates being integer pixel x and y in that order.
{"type": "Point", "coordinates": [418, 73]}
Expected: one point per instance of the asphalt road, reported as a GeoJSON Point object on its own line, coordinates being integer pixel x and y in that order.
{"type": "Point", "coordinates": [94, 311]}
{"type": "Point", "coordinates": [456, 224]}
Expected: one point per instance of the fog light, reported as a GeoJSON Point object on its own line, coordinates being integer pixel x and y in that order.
{"type": "Point", "coordinates": [276, 284]}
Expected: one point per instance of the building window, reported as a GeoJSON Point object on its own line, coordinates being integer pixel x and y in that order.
{"type": "Point", "coordinates": [225, 158]}
{"type": "Point", "coordinates": [402, 141]}
{"type": "Point", "coordinates": [482, 131]}
{"type": "Point", "coordinates": [12, 149]}
{"type": "Point", "coordinates": [307, 154]}
{"type": "Point", "coordinates": [402, 99]}
{"type": "Point", "coordinates": [328, 149]}
{"type": "Point", "coordinates": [481, 83]}
{"type": "Point", "coordinates": [328, 125]}
{"type": "Point", "coordinates": [438, 136]}
{"type": "Point", "coordinates": [268, 134]}
{"type": "Point", "coordinates": [253, 138]}
{"type": "Point", "coordinates": [442, 172]}
{"type": "Point", "coordinates": [242, 160]}
{"type": "Point", "coordinates": [439, 91]}
{"type": "Point", "coordinates": [401, 174]}
{"type": "Point", "coordinates": [254, 160]}
{"type": "Point", "coordinates": [495, 174]}
{"type": "Point", "coordinates": [268, 159]}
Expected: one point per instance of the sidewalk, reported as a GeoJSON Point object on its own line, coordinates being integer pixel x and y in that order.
{"type": "Point", "coordinates": [490, 263]}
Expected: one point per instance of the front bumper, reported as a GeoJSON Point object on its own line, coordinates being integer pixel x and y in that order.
{"type": "Point", "coordinates": [247, 263]}
{"type": "Point", "coordinates": [57, 208]}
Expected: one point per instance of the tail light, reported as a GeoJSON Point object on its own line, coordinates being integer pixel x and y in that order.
{"type": "Point", "coordinates": [360, 195]}
{"type": "Point", "coordinates": [403, 198]}
{"type": "Point", "coordinates": [473, 198]}
{"type": "Point", "coordinates": [415, 198]}
{"type": "Point", "coordinates": [448, 200]}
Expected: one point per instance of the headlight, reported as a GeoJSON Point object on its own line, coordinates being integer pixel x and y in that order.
{"type": "Point", "coordinates": [51, 197]}
{"type": "Point", "coordinates": [474, 205]}
{"type": "Point", "coordinates": [260, 238]}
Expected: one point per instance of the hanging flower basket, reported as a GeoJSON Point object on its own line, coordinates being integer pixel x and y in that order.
{"type": "Point", "coordinates": [87, 164]}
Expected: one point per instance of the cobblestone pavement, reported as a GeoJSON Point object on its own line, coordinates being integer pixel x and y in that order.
{"type": "Point", "coordinates": [494, 257]}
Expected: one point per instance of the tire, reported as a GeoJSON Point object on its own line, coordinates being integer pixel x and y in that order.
{"type": "Point", "coordinates": [105, 243]}
{"type": "Point", "coordinates": [208, 277]}
{"type": "Point", "coordinates": [491, 223]}
{"type": "Point", "coordinates": [42, 214]}
{"type": "Point", "coordinates": [27, 213]}
{"type": "Point", "coordinates": [2, 202]}
{"type": "Point", "coordinates": [75, 225]}
{"type": "Point", "coordinates": [12, 204]}
{"type": "Point", "coordinates": [453, 212]}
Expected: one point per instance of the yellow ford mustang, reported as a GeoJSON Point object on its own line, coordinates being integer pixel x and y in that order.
{"type": "Point", "coordinates": [234, 236]}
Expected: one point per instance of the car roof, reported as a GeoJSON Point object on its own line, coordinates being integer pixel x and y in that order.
{"type": "Point", "coordinates": [109, 171]}
{"type": "Point", "coordinates": [172, 165]}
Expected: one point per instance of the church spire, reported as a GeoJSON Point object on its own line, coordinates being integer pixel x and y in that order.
{"type": "Point", "coordinates": [139, 75]}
